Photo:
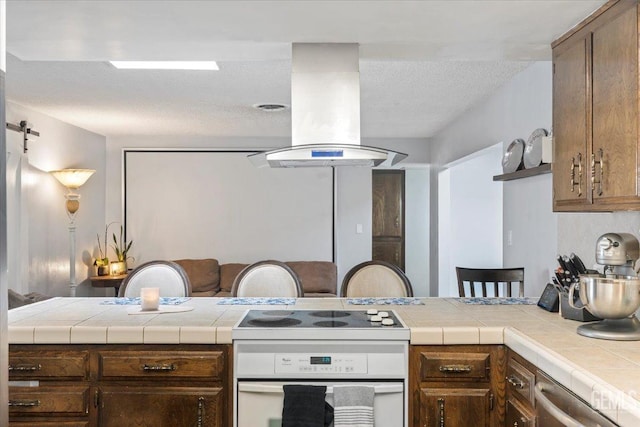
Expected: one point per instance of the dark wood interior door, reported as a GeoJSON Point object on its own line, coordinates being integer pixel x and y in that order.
{"type": "Point", "coordinates": [388, 216]}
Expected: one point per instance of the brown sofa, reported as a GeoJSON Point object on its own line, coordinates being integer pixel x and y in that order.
{"type": "Point", "coordinates": [209, 278]}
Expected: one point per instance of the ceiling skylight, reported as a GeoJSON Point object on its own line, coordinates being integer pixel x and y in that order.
{"type": "Point", "coordinates": [166, 65]}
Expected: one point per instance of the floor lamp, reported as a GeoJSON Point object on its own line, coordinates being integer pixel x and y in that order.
{"type": "Point", "coordinates": [72, 179]}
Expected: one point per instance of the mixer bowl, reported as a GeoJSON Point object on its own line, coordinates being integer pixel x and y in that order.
{"type": "Point", "coordinates": [610, 298]}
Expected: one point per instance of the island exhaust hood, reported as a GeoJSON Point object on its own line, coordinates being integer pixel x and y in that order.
{"type": "Point", "coordinates": [325, 112]}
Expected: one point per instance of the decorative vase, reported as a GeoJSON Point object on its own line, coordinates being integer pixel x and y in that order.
{"type": "Point", "coordinates": [103, 270]}
{"type": "Point", "coordinates": [118, 267]}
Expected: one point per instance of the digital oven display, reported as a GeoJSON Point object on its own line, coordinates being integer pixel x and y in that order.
{"type": "Point", "coordinates": [320, 360]}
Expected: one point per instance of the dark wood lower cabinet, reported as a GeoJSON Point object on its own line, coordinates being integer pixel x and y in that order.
{"type": "Point", "coordinates": [521, 380]}
{"type": "Point", "coordinates": [60, 401]}
{"type": "Point", "coordinates": [162, 406]}
{"type": "Point", "coordinates": [457, 385]}
{"type": "Point", "coordinates": [120, 385]}
{"type": "Point", "coordinates": [518, 415]}
{"type": "Point", "coordinates": [455, 407]}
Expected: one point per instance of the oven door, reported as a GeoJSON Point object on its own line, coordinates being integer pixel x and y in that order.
{"type": "Point", "coordinates": [259, 403]}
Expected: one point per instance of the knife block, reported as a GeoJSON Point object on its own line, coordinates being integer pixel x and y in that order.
{"type": "Point", "coordinates": [579, 314]}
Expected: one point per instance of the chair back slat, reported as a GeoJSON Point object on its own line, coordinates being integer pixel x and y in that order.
{"type": "Point", "coordinates": [496, 276]}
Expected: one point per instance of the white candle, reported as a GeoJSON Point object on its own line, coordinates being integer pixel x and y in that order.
{"type": "Point", "coordinates": [149, 299]}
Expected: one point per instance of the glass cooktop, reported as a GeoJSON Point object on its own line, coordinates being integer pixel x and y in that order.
{"type": "Point", "coordinates": [320, 319]}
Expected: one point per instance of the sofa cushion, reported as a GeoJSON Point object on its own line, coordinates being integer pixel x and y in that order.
{"type": "Point", "coordinates": [228, 273]}
{"type": "Point", "coordinates": [17, 300]}
{"type": "Point", "coordinates": [316, 276]}
{"type": "Point", "coordinates": [204, 275]}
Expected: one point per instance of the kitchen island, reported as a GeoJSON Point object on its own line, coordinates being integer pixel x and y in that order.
{"type": "Point", "coordinates": [604, 373]}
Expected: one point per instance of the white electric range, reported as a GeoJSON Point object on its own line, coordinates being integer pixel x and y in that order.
{"type": "Point", "coordinates": [273, 348]}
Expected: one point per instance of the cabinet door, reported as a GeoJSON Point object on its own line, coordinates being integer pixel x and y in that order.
{"type": "Point", "coordinates": [388, 194]}
{"type": "Point", "coordinates": [157, 406]}
{"type": "Point", "coordinates": [518, 415]}
{"type": "Point", "coordinates": [388, 217]}
{"type": "Point", "coordinates": [388, 250]}
{"type": "Point", "coordinates": [571, 124]}
{"type": "Point", "coordinates": [455, 407]}
{"type": "Point", "coordinates": [615, 108]}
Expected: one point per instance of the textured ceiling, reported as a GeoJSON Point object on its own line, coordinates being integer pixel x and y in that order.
{"type": "Point", "coordinates": [422, 62]}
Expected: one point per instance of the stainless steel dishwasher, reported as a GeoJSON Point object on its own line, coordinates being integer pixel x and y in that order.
{"type": "Point", "coordinates": [558, 407]}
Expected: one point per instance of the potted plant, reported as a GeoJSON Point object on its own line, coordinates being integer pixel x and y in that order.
{"type": "Point", "coordinates": [121, 247]}
{"type": "Point", "coordinates": [102, 263]}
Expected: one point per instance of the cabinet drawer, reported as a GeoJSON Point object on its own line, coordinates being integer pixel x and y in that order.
{"type": "Point", "coordinates": [161, 364]}
{"type": "Point", "coordinates": [48, 364]}
{"type": "Point", "coordinates": [59, 400]}
{"type": "Point", "coordinates": [39, 423]}
{"type": "Point", "coordinates": [465, 366]}
{"type": "Point", "coordinates": [520, 381]}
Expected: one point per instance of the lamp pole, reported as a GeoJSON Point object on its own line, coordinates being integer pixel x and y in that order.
{"type": "Point", "coordinates": [72, 179]}
{"type": "Point", "coordinates": [72, 207]}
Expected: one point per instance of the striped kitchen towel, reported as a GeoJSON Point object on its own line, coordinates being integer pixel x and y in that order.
{"type": "Point", "coordinates": [353, 406]}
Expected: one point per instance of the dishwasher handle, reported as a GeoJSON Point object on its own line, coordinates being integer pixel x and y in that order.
{"type": "Point", "coordinates": [552, 409]}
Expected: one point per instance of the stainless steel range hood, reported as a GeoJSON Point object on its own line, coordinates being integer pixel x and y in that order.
{"type": "Point", "coordinates": [325, 112]}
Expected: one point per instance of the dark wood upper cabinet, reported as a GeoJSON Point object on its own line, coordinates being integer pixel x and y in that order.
{"type": "Point", "coordinates": [595, 112]}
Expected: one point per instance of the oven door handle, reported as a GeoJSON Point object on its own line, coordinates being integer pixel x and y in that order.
{"type": "Point", "coordinates": [271, 388]}
{"type": "Point", "coordinates": [552, 409]}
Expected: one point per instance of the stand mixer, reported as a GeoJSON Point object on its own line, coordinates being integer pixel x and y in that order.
{"type": "Point", "coordinates": [618, 253]}
{"type": "Point", "coordinates": [615, 295]}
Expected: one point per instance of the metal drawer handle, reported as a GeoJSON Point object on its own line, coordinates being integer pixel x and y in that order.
{"type": "Point", "coordinates": [455, 369]}
{"type": "Point", "coordinates": [200, 411]}
{"type": "Point", "coordinates": [441, 412]}
{"type": "Point", "coordinates": [552, 409]}
{"type": "Point", "coordinates": [515, 381]}
{"type": "Point", "coordinates": [159, 368]}
{"type": "Point", "coordinates": [24, 403]}
{"type": "Point", "coordinates": [25, 368]}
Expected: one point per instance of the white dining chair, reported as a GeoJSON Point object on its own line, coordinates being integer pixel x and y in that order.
{"type": "Point", "coordinates": [376, 279]}
{"type": "Point", "coordinates": [168, 276]}
{"type": "Point", "coordinates": [267, 279]}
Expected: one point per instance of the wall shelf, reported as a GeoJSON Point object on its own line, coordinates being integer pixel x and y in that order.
{"type": "Point", "coordinates": [524, 173]}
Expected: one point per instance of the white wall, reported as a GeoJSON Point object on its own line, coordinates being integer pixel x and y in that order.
{"type": "Point", "coordinates": [353, 185]}
{"type": "Point", "coordinates": [17, 215]}
{"type": "Point", "coordinates": [4, 346]}
{"type": "Point", "coordinates": [417, 218]}
{"type": "Point", "coordinates": [538, 234]}
{"type": "Point", "coordinates": [578, 232]}
{"type": "Point", "coordinates": [60, 146]}
{"type": "Point", "coordinates": [513, 111]}
{"type": "Point", "coordinates": [211, 202]}
{"type": "Point", "coordinates": [353, 202]}
{"type": "Point", "coordinates": [528, 216]}
{"type": "Point", "coordinates": [471, 232]}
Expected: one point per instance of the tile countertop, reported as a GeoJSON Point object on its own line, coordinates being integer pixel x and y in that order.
{"type": "Point", "coordinates": [604, 373]}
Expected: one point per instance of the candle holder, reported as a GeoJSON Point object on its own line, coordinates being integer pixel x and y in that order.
{"type": "Point", "coordinates": [149, 299]}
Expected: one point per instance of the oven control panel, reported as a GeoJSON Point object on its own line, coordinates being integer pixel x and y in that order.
{"type": "Point", "coordinates": [336, 363]}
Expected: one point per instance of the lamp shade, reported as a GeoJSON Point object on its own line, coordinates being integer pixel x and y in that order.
{"type": "Point", "coordinates": [73, 178]}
